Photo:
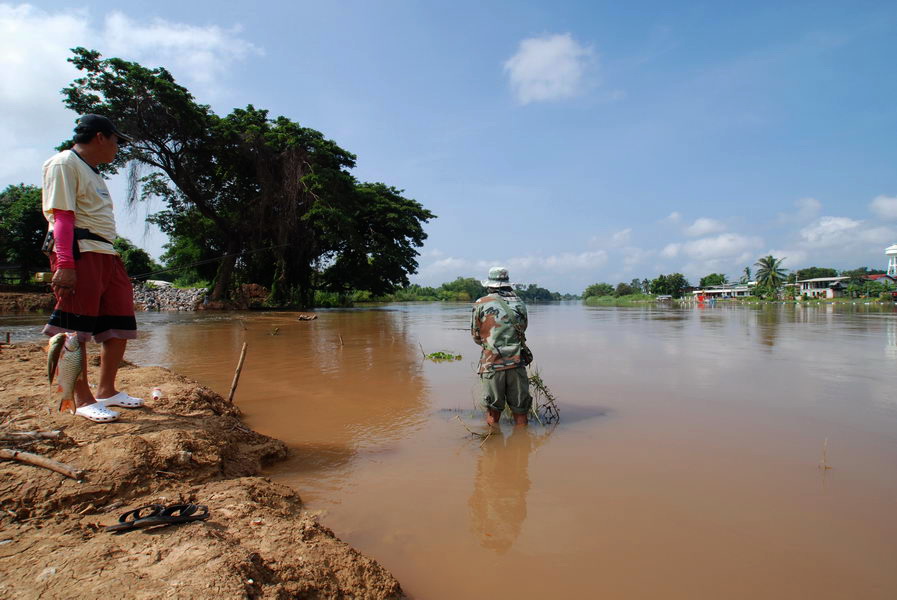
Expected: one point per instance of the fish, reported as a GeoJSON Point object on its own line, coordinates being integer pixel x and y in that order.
{"type": "Point", "coordinates": [66, 358]}
{"type": "Point", "coordinates": [54, 349]}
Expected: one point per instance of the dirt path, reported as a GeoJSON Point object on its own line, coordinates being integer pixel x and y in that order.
{"type": "Point", "coordinates": [189, 446]}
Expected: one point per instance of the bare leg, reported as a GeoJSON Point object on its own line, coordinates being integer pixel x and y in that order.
{"type": "Point", "coordinates": [492, 416]}
{"type": "Point", "coordinates": [110, 357]}
{"type": "Point", "coordinates": [83, 395]}
{"type": "Point", "coordinates": [520, 419]}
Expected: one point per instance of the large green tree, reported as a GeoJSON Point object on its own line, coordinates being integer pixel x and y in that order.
{"type": "Point", "coordinates": [598, 289]}
{"type": "Point", "coordinates": [814, 272]}
{"type": "Point", "coordinates": [22, 229]}
{"type": "Point", "coordinates": [273, 199]}
{"type": "Point", "coordinates": [713, 279]}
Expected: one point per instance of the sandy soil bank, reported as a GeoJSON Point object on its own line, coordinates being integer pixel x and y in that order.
{"type": "Point", "coordinates": [189, 446]}
{"type": "Point", "coordinates": [12, 302]}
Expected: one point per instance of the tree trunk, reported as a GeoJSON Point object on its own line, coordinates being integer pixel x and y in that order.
{"type": "Point", "coordinates": [225, 270]}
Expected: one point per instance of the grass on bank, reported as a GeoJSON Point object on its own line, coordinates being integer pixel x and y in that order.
{"type": "Point", "coordinates": [627, 300]}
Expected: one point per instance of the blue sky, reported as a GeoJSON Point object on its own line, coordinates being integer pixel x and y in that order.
{"type": "Point", "coordinates": [572, 142]}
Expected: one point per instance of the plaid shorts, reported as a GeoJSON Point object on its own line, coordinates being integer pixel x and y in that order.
{"type": "Point", "coordinates": [102, 306]}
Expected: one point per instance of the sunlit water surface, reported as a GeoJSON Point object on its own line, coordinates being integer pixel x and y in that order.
{"type": "Point", "coordinates": [686, 463]}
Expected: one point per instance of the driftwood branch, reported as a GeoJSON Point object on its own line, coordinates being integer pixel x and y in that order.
{"type": "Point", "coordinates": [41, 461]}
{"type": "Point", "coordinates": [15, 436]}
{"type": "Point", "coordinates": [233, 386]}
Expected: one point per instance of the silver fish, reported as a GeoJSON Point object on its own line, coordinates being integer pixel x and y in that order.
{"type": "Point", "coordinates": [54, 349]}
{"type": "Point", "coordinates": [66, 359]}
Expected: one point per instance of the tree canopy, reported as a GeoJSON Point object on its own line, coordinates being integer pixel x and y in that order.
{"type": "Point", "coordinates": [275, 199]}
{"type": "Point", "coordinates": [713, 279]}
{"type": "Point", "coordinates": [770, 273]}
{"type": "Point", "coordinates": [22, 229]}
{"type": "Point", "coordinates": [814, 272]}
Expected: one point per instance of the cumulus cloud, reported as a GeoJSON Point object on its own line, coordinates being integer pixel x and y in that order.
{"type": "Point", "coordinates": [829, 230]}
{"type": "Point", "coordinates": [726, 245]}
{"type": "Point", "coordinates": [548, 68]}
{"type": "Point", "coordinates": [884, 207]}
{"type": "Point", "coordinates": [34, 46]}
{"type": "Point", "coordinates": [621, 237]}
{"type": "Point", "coordinates": [671, 250]}
{"type": "Point", "coordinates": [704, 226]}
{"type": "Point", "coordinates": [201, 54]}
{"type": "Point", "coordinates": [805, 209]}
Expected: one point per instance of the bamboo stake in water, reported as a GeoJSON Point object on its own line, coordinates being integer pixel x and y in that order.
{"type": "Point", "coordinates": [233, 386]}
{"type": "Point", "coordinates": [823, 464]}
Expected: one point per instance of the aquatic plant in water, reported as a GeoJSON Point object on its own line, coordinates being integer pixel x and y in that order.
{"type": "Point", "coordinates": [443, 356]}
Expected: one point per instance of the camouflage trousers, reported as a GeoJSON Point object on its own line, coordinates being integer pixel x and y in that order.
{"type": "Point", "coordinates": [509, 386]}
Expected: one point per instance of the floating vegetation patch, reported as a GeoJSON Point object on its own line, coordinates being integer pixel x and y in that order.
{"type": "Point", "coordinates": [545, 406]}
{"type": "Point", "coordinates": [443, 356]}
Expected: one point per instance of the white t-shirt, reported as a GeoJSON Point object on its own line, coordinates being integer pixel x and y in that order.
{"type": "Point", "coordinates": [69, 183]}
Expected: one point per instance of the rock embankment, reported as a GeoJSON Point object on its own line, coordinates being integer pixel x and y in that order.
{"type": "Point", "coordinates": [155, 297]}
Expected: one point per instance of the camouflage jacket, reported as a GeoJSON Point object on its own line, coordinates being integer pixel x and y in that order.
{"type": "Point", "coordinates": [492, 329]}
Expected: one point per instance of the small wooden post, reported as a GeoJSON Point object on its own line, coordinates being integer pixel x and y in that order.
{"type": "Point", "coordinates": [233, 386]}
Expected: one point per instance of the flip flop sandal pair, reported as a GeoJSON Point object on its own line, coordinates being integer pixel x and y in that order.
{"type": "Point", "coordinates": [121, 399]}
{"type": "Point", "coordinates": [153, 515]}
{"type": "Point", "coordinates": [97, 413]}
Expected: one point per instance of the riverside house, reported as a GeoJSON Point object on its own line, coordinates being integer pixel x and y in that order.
{"type": "Point", "coordinates": [729, 290]}
{"type": "Point", "coordinates": [823, 287]}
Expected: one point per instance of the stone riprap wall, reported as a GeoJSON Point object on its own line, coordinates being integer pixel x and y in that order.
{"type": "Point", "coordinates": [154, 297]}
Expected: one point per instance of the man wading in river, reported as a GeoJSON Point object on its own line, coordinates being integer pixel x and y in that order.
{"type": "Point", "coordinates": [498, 324]}
{"type": "Point", "coordinates": [94, 297]}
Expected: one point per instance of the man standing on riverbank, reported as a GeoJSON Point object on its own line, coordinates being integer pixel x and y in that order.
{"type": "Point", "coordinates": [498, 323]}
{"type": "Point", "coordinates": [94, 297]}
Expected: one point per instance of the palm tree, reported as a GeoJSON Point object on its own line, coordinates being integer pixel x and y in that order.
{"type": "Point", "coordinates": [770, 273]}
{"type": "Point", "coordinates": [746, 278]}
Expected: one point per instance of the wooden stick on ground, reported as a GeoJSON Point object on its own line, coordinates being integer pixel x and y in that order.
{"type": "Point", "coordinates": [233, 386]}
{"type": "Point", "coordinates": [14, 436]}
{"type": "Point", "coordinates": [41, 461]}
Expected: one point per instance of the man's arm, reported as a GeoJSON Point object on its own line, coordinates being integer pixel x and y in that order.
{"type": "Point", "coordinates": [475, 326]}
{"type": "Point", "coordinates": [65, 277]}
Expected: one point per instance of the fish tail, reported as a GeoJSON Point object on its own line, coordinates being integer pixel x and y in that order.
{"type": "Point", "coordinates": [67, 404]}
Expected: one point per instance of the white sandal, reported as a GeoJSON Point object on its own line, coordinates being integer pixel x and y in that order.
{"type": "Point", "coordinates": [97, 413]}
{"type": "Point", "coordinates": [121, 399]}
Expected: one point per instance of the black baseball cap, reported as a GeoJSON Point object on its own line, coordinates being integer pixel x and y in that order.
{"type": "Point", "coordinates": [91, 124]}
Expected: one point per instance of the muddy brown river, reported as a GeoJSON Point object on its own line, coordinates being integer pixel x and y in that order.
{"type": "Point", "coordinates": [686, 463]}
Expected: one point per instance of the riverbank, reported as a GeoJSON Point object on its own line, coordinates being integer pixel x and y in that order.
{"type": "Point", "coordinates": [189, 446]}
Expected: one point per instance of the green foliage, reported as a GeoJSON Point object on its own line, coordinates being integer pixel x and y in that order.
{"type": "Point", "coordinates": [814, 272]}
{"type": "Point", "coordinates": [138, 263]}
{"type": "Point", "coordinates": [251, 199]}
{"type": "Point", "coordinates": [598, 289]}
{"type": "Point", "coordinates": [534, 293]}
{"type": "Point", "coordinates": [443, 356]}
{"type": "Point", "coordinates": [611, 300]}
{"type": "Point", "coordinates": [22, 229]}
{"type": "Point", "coordinates": [674, 285]}
{"type": "Point", "coordinates": [623, 289]}
{"type": "Point", "coordinates": [713, 279]}
{"type": "Point", "coordinates": [462, 289]}
{"type": "Point", "coordinates": [746, 276]}
{"type": "Point", "coordinates": [770, 274]}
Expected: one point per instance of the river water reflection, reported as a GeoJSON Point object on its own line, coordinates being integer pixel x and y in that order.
{"type": "Point", "coordinates": [685, 464]}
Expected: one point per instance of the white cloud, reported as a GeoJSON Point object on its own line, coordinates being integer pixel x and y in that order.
{"type": "Point", "coordinates": [806, 209]}
{"type": "Point", "coordinates": [621, 237]}
{"type": "Point", "coordinates": [34, 46]}
{"type": "Point", "coordinates": [671, 250]}
{"type": "Point", "coordinates": [829, 231]}
{"type": "Point", "coordinates": [884, 207]}
{"type": "Point", "coordinates": [547, 68]}
{"type": "Point", "coordinates": [201, 54]}
{"type": "Point", "coordinates": [673, 217]}
{"type": "Point", "coordinates": [726, 245]}
{"type": "Point", "coordinates": [704, 226]}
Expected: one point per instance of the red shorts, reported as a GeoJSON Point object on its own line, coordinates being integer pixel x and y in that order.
{"type": "Point", "coordinates": [102, 306]}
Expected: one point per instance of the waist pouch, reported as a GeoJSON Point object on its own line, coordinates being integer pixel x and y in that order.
{"type": "Point", "coordinates": [80, 234]}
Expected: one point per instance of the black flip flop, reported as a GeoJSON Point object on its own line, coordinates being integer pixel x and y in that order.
{"type": "Point", "coordinates": [174, 514]}
{"type": "Point", "coordinates": [127, 520]}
